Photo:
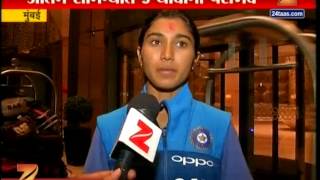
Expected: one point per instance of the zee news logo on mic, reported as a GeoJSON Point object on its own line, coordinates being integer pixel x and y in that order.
{"type": "Point", "coordinates": [140, 134]}
{"type": "Point", "coordinates": [140, 138]}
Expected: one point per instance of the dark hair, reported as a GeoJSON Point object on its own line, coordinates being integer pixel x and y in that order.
{"type": "Point", "coordinates": [77, 110]}
{"type": "Point", "coordinates": [172, 14]}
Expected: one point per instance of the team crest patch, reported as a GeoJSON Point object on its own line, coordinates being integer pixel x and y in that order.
{"type": "Point", "coordinates": [201, 138]}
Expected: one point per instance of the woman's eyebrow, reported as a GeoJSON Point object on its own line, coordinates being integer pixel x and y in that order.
{"type": "Point", "coordinates": [153, 34]}
{"type": "Point", "coordinates": [179, 35]}
{"type": "Point", "coordinates": [184, 36]}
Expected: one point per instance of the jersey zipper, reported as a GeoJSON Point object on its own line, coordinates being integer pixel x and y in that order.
{"type": "Point", "coordinates": [165, 145]}
{"type": "Point", "coordinates": [165, 153]}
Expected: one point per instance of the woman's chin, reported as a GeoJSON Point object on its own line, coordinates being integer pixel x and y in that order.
{"type": "Point", "coordinates": [168, 87]}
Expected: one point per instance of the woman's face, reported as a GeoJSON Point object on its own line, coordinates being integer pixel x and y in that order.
{"type": "Point", "coordinates": [167, 53]}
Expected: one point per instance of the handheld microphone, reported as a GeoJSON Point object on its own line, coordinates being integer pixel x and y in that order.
{"type": "Point", "coordinates": [139, 136]}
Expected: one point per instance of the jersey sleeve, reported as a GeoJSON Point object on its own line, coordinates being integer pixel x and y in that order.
{"type": "Point", "coordinates": [233, 163]}
{"type": "Point", "coordinates": [97, 158]}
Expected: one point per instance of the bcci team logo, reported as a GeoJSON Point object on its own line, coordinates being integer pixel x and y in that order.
{"type": "Point", "coordinates": [287, 2]}
{"type": "Point", "coordinates": [201, 139]}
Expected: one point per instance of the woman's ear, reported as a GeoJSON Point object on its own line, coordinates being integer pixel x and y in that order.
{"type": "Point", "coordinates": [196, 60]}
{"type": "Point", "coordinates": [139, 56]}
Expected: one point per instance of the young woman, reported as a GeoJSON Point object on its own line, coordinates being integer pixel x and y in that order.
{"type": "Point", "coordinates": [198, 141]}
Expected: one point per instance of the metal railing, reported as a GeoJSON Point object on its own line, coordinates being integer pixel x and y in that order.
{"type": "Point", "coordinates": [284, 27]}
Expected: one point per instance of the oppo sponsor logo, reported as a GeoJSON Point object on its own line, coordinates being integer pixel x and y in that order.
{"type": "Point", "coordinates": [192, 161]}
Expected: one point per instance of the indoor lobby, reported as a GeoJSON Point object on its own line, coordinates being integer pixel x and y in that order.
{"type": "Point", "coordinates": [58, 76]}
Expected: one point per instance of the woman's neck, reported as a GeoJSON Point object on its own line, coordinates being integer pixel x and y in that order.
{"type": "Point", "coordinates": [162, 118]}
{"type": "Point", "coordinates": [160, 95]}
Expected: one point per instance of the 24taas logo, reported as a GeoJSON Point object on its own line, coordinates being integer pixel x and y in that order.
{"type": "Point", "coordinates": [140, 137]}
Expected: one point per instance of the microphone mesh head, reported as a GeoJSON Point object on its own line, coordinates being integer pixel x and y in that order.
{"type": "Point", "coordinates": [146, 104]}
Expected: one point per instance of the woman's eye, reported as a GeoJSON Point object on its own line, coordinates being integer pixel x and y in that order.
{"type": "Point", "coordinates": [181, 44]}
{"type": "Point", "coordinates": [155, 42]}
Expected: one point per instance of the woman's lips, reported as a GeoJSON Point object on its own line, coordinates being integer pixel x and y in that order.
{"type": "Point", "coordinates": [166, 71]}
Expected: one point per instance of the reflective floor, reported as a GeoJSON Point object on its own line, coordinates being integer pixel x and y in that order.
{"type": "Point", "coordinates": [263, 142]}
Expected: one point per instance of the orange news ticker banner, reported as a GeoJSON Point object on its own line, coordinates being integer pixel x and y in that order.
{"type": "Point", "coordinates": [157, 4]}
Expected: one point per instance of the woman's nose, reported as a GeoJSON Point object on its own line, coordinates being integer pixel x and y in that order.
{"type": "Point", "coordinates": [167, 53]}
